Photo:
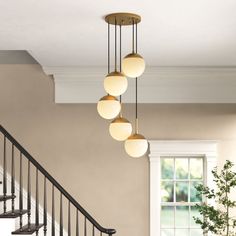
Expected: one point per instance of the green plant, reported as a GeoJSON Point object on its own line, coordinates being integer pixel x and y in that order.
{"type": "Point", "coordinates": [218, 220]}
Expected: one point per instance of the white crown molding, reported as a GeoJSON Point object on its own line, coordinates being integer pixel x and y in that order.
{"type": "Point", "coordinates": [157, 85]}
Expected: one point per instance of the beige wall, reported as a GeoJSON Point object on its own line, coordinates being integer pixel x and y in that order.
{"type": "Point", "coordinates": [73, 143]}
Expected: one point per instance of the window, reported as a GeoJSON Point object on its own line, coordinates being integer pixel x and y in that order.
{"type": "Point", "coordinates": [176, 167]}
{"type": "Point", "coordinates": [179, 176]}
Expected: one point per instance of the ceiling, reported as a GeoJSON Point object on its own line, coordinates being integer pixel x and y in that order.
{"type": "Point", "coordinates": [189, 46]}
{"type": "Point", "coordinates": [73, 33]}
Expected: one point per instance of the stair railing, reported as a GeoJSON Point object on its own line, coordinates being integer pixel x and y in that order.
{"type": "Point", "coordinates": [29, 227]}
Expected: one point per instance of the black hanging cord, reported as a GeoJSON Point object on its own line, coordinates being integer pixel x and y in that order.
{"type": "Point", "coordinates": [136, 26]}
{"type": "Point", "coordinates": [108, 48]}
{"type": "Point", "coordinates": [133, 37]}
{"type": "Point", "coordinates": [120, 66]}
{"type": "Point", "coordinates": [120, 50]}
{"type": "Point", "coordinates": [136, 98]}
{"type": "Point", "coordinates": [115, 45]}
{"type": "Point", "coordinates": [136, 83]}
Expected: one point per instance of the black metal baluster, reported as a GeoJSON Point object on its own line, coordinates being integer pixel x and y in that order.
{"type": "Point", "coordinates": [31, 228]}
{"type": "Point", "coordinates": [61, 216]}
{"type": "Point", "coordinates": [21, 194]}
{"type": "Point", "coordinates": [45, 207]}
{"type": "Point", "coordinates": [53, 212]}
{"type": "Point", "coordinates": [69, 223]}
{"type": "Point", "coordinates": [85, 226]}
{"type": "Point", "coordinates": [12, 179]}
{"type": "Point", "coordinates": [77, 222]}
{"type": "Point", "coordinates": [37, 203]}
{"type": "Point", "coordinates": [29, 197]}
{"type": "Point", "coordinates": [4, 176]}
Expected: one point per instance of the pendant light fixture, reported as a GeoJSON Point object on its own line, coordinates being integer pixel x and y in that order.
{"type": "Point", "coordinates": [108, 107]}
{"type": "Point", "coordinates": [115, 84]}
{"type": "Point", "coordinates": [120, 128]}
{"type": "Point", "coordinates": [136, 145]}
{"type": "Point", "coordinates": [133, 64]}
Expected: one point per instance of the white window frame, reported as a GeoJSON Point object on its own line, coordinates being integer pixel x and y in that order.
{"type": "Point", "coordinates": [206, 149]}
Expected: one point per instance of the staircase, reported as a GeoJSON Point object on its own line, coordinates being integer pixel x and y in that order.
{"type": "Point", "coordinates": [80, 223]}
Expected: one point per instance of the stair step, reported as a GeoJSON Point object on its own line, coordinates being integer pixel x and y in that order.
{"type": "Point", "coordinates": [13, 214]}
{"type": "Point", "coordinates": [28, 230]}
{"type": "Point", "coordinates": [8, 197]}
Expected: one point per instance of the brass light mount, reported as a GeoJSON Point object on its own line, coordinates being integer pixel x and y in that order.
{"type": "Point", "coordinates": [123, 18]}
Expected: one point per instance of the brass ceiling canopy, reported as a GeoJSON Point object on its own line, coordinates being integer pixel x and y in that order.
{"type": "Point", "coordinates": [123, 18]}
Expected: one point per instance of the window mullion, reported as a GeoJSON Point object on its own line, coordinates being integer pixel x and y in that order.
{"type": "Point", "coordinates": [174, 197]}
{"type": "Point", "coordinates": [189, 196]}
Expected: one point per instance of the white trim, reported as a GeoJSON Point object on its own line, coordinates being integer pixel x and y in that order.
{"type": "Point", "coordinates": [158, 149]}
{"type": "Point", "coordinates": [158, 84]}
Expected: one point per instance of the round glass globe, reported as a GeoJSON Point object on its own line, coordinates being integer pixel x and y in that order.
{"type": "Point", "coordinates": [115, 83]}
{"type": "Point", "coordinates": [136, 145]}
{"type": "Point", "coordinates": [108, 107]}
{"type": "Point", "coordinates": [133, 65]}
{"type": "Point", "coordinates": [120, 129]}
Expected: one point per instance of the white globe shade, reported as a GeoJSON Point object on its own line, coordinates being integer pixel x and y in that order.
{"type": "Point", "coordinates": [115, 83]}
{"type": "Point", "coordinates": [120, 129]}
{"type": "Point", "coordinates": [133, 65]}
{"type": "Point", "coordinates": [136, 145]}
{"type": "Point", "coordinates": [108, 107]}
